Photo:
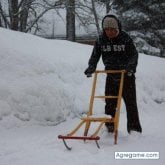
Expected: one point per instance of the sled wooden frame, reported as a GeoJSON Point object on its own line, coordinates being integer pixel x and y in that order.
{"type": "Point", "coordinates": [89, 119]}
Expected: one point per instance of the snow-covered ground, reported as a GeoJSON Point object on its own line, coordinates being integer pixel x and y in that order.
{"type": "Point", "coordinates": [43, 93]}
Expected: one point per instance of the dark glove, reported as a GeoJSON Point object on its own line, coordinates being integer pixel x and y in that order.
{"type": "Point", "coordinates": [130, 73]}
{"type": "Point", "coordinates": [130, 70]}
{"type": "Point", "coordinates": [88, 72]}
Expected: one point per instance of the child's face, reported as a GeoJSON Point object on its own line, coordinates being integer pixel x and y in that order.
{"type": "Point", "coordinates": [111, 32]}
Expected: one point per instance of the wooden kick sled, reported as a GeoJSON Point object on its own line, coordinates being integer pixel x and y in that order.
{"type": "Point", "coordinates": [101, 120]}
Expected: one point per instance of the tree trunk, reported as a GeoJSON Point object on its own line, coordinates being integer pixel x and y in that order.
{"type": "Point", "coordinates": [4, 21]}
{"type": "Point", "coordinates": [24, 14]}
{"type": "Point", "coordinates": [0, 22]}
{"type": "Point", "coordinates": [70, 20]}
{"type": "Point", "coordinates": [14, 14]}
{"type": "Point", "coordinates": [108, 6]}
{"type": "Point", "coordinates": [95, 16]}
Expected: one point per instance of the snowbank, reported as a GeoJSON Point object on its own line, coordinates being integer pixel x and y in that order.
{"type": "Point", "coordinates": [42, 80]}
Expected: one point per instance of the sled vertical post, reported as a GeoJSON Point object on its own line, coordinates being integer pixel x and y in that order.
{"type": "Point", "coordinates": [117, 114]}
{"type": "Point", "coordinates": [90, 112]}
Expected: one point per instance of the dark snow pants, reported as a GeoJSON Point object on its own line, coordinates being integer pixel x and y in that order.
{"type": "Point", "coordinates": [129, 97]}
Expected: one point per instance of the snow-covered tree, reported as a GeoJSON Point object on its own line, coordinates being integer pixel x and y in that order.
{"type": "Point", "coordinates": [147, 17]}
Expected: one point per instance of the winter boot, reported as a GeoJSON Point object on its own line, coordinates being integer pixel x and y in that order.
{"type": "Point", "coordinates": [134, 127]}
{"type": "Point", "coordinates": [110, 127]}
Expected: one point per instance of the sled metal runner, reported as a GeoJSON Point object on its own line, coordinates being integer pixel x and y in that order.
{"type": "Point", "coordinates": [78, 138]}
{"type": "Point", "coordinates": [87, 121]}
